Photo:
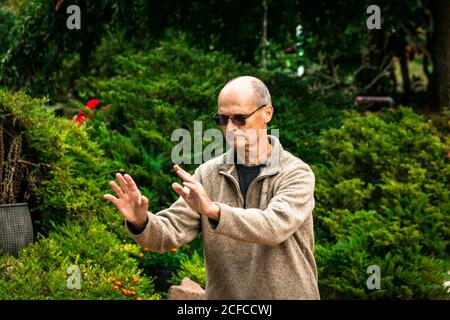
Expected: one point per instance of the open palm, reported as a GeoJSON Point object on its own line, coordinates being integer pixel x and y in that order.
{"type": "Point", "coordinates": [130, 202]}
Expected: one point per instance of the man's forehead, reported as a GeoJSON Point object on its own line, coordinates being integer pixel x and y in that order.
{"type": "Point", "coordinates": [241, 95]}
{"type": "Point", "coordinates": [232, 109]}
{"type": "Point", "coordinates": [235, 107]}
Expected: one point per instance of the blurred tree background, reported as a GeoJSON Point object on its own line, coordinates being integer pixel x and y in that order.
{"type": "Point", "coordinates": [408, 58]}
{"type": "Point", "coordinates": [382, 171]}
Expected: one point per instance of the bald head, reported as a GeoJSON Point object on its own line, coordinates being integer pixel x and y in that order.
{"type": "Point", "coordinates": [248, 88]}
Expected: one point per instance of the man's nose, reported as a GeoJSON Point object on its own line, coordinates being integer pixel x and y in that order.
{"type": "Point", "coordinates": [231, 126]}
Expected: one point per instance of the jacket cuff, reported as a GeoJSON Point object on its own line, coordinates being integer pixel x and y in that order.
{"type": "Point", "coordinates": [135, 232]}
{"type": "Point", "coordinates": [224, 219]}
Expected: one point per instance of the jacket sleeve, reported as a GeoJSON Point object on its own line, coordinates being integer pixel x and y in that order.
{"type": "Point", "coordinates": [292, 204]}
{"type": "Point", "coordinates": [169, 228]}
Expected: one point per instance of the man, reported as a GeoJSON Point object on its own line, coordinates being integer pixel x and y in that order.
{"type": "Point", "coordinates": [253, 205]}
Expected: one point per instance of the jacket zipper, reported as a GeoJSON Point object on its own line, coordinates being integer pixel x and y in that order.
{"type": "Point", "coordinates": [242, 198]}
{"type": "Point", "coordinates": [249, 186]}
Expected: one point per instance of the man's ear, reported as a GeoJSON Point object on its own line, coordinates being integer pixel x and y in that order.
{"type": "Point", "coordinates": [267, 113]}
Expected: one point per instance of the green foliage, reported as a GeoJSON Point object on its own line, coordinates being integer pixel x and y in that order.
{"type": "Point", "coordinates": [382, 199]}
{"type": "Point", "coordinates": [40, 271]}
{"type": "Point", "coordinates": [73, 176]}
{"type": "Point", "coordinates": [37, 51]}
{"type": "Point", "coordinates": [278, 60]}
{"type": "Point", "coordinates": [72, 171]}
{"type": "Point", "coordinates": [193, 268]}
{"type": "Point", "coordinates": [441, 121]}
{"type": "Point", "coordinates": [340, 51]}
{"type": "Point", "coordinates": [55, 55]}
{"type": "Point", "coordinates": [171, 258]}
{"type": "Point", "coordinates": [6, 23]}
{"type": "Point", "coordinates": [301, 113]}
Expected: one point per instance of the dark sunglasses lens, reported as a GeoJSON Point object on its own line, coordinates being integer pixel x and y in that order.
{"type": "Point", "coordinates": [224, 120]}
{"type": "Point", "coordinates": [221, 120]}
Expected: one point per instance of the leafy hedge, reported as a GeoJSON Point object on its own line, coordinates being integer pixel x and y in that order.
{"type": "Point", "coordinates": [66, 206]}
{"type": "Point", "coordinates": [192, 268]}
{"type": "Point", "coordinates": [383, 199]}
{"type": "Point", "coordinates": [72, 169]}
{"type": "Point", "coordinates": [41, 270]}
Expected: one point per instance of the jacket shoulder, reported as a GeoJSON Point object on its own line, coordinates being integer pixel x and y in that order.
{"type": "Point", "coordinates": [290, 162]}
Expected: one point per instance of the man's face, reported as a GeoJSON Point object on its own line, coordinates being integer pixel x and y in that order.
{"type": "Point", "coordinates": [240, 101]}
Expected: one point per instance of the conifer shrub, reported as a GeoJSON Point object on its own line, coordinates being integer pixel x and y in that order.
{"type": "Point", "coordinates": [383, 199]}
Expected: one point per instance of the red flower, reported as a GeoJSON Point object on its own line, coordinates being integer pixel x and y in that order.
{"type": "Point", "coordinates": [80, 119]}
{"type": "Point", "coordinates": [80, 113]}
{"type": "Point", "coordinates": [93, 103]}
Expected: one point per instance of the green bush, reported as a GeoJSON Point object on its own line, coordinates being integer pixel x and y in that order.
{"type": "Point", "coordinates": [193, 268]}
{"type": "Point", "coordinates": [67, 204]}
{"type": "Point", "coordinates": [6, 23]}
{"type": "Point", "coordinates": [302, 114]}
{"type": "Point", "coordinates": [72, 169]}
{"type": "Point", "coordinates": [382, 199]}
{"type": "Point", "coordinates": [172, 258]}
{"type": "Point", "coordinates": [40, 271]}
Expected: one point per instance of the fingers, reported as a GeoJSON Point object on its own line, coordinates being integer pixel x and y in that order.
{"type": "Point", "coordinates": [192, 186]}
{"type": "Point", "coordinates": [122, 182]}
{"type": "Point", "coordinates": [183, 174]}
{"type": "Point", "coordinates": [184, 192]}
{"type": "Point", "coordinates": [116, 188]}
{"type": "Point", "coordinates": [111, 198]}
{"type": "Point", "coordinates": [130, 182]}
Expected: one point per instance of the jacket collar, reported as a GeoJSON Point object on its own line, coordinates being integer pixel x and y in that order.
{"type": "Point", "coordinates": [272, 164]}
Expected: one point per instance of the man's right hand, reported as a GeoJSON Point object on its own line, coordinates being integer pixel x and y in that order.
{"type": "Point", "coordinates": [130, 202]}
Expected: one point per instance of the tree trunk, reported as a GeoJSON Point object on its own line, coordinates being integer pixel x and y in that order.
{"type": "Point", "coordinates": [375, 77]}
{"type": "Point", "coordinates": [264, 36]}
{"type": "Point", "coordinates": [404, 68]}
{"type": "Point", "coordinates": [441, 55]}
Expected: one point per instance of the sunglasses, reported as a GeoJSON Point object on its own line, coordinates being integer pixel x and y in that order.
{"type": "Point", "coordinates": [238, 119]}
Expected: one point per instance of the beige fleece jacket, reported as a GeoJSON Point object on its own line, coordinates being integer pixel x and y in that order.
{"type": "Point", "coordinates": [261, 251]}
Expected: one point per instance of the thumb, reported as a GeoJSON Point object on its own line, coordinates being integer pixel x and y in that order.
{"type": "Point", "coordinates": [144, 202]}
